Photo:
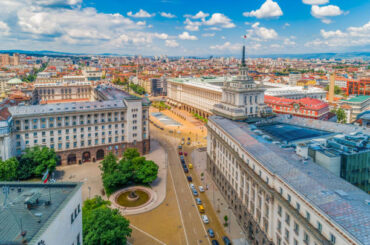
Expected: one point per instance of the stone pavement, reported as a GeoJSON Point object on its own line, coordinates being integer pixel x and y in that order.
{"type": "Point", "coordinates": [219, 203]}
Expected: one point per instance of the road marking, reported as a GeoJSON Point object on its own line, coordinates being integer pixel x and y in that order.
{"type": "Point", "coordinates": [148, 235]}
{"type": "Point", "coordinates": [178, 204]}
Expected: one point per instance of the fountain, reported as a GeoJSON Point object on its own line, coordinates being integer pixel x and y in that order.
{"type": "Point", "coordinates": [132, 197]}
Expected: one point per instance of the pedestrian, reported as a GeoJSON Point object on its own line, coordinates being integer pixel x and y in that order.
{"type": "Point", "coordinates": [206, 187]}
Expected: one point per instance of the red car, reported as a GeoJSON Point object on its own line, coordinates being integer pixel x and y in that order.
{"type": "Point", "coordinates": [185, 153]}
{"type": "Point", "coordinates": [180, 153]}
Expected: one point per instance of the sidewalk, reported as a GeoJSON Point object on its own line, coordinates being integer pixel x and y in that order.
{"type": "Point", "coordinates": [234, 231]}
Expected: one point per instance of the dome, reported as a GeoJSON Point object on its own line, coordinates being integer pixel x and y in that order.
{"type": "Point", "coordinates": [14, 81]}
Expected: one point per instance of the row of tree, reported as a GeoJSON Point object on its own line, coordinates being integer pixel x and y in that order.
{"type": "Point", "coordinates": [33, 74]}
{"type": "Point", "coordinates": [131, 169]}
{"type": "Point", "coordinates": [137, 88]}
{"type": "Point", "coordinates": [32, 164]}
{"type": "Point", "coordinates": [103, 225]}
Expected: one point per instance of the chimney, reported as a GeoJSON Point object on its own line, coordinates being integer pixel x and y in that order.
{"type": "Point", "coordinates": [331, 88]}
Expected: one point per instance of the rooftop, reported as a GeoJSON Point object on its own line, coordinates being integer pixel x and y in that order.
{"type": "Point", "coordinates": [35, 220]}
{"type": "Point", "coordinates": [48, 109]}
{"type": "Point", "coordinates": [358, 99]}
{"type": "Point", "coordinates": [342, 203]}
{"type": "Point", "coordinates": [308, 103]}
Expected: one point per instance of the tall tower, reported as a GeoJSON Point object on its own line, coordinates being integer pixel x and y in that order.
{"type": "Point", "coordinates": [241, 98]}
{"type": "Point", "coordinates": [331, 87]}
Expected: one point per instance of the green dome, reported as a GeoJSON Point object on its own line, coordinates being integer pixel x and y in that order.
{"type": "Point", "coordinates": [14, 81]}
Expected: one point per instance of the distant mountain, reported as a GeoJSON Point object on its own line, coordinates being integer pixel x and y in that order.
{"type": "Point", "coordinates": [348, 55]}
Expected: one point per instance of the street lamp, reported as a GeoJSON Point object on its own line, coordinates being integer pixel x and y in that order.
{"type": "Point", "coordinates": [89, 190]}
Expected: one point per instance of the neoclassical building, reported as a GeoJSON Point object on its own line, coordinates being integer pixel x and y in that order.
{"type": "Point", "coordinates": [278, 195]}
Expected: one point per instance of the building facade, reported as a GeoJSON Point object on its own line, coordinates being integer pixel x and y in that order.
{"type": "Point", "coordinates": [80, 132]}
{"type": "Point", "coordinates": [358, 105]}
{"type": "Point", "coordinates": [306, 107]}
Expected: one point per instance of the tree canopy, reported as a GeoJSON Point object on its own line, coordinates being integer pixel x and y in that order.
{"type": "Point", "coordinates": [131, 169]}
{"type": "Point", "coordinates": [8, 169]}
{"type": "Point", "coordinates": [102, 225]}
{"type": "Point", "coordinates": [341, 115]}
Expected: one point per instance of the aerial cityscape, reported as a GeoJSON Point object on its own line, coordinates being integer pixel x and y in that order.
{"type": "Point", "coordinates": [172, 122]}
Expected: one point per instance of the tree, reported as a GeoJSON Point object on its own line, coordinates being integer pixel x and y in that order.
{"type": "Point", "coordinates": [337, 89]}
{"type": "Point", "coordinates": [145, 171]}
{"type": "Point", "coordinates": [8, 169]}
{"type": "Point", "coordinates": [226, 219]}
{"type": "Point", "coordinates": [102, 225]}
{"type": "Point", "coordinates": [341, 115]}
{"type": "Point", "coordinates": [130, 153]}
{"type": "Point", "coordinates": [109, 164]}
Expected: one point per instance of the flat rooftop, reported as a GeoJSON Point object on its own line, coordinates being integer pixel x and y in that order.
{"type": "Point", "coordinates": [113, 93]}
{"type": "Point", "coordinates": [34, 221]}
{"type": "Point", "coordinates": [49, 109]}
{"type": "Point", "coordinates": [341, 202]}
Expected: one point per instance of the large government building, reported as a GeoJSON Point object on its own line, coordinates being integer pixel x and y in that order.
{"type": "Point", "coordinates": [265, 170]}
{"type": "Point", "coordinates": [78, 131]}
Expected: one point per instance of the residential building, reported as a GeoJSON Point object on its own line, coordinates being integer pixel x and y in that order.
{"type": "Point", "coordinates": [294, 77]}
{"type": "Point", "coordinates": [358, 87]}
{"type": "Point", "coordinates": [357, 104]}
{"type": "Point", "coordinates": [36, 213]}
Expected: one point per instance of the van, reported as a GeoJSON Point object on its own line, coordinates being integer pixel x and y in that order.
{"type": "Point", "coordinates": [201, 208]}
{"type": "Point", "coordinates": [190, 166]}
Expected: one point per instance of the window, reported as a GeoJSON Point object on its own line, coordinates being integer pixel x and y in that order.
{"type": "Point", "coordinates": [306, 238]}
{"type": "Point", "coordinates": [279, 210]}
{"type": "Point", "coordinates": [298, 206]}
{"type": "Point", "coordinates": [286, 234]}
{"type": "Point", "coordinates": [279, 226]}
{"type": "Point", "coordinates": [281, 191]}
{"type": "Point", "coordinates": [308, 216]}
{"type": "Point", "coordinates": [287, 219]}
{"type": "Point", "coordinates": [289, 198]}
{"type": "Point", "coordinates": [72, 218]}
{"type": "Point", "coordinates": [332, 238]}
{"type": "Point", "coordinates": [296, 228]}
{"type": "Point", "coordinates": [319, 226]}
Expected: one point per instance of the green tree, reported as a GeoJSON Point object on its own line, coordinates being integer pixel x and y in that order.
{"type": "Point", "coordinates": [8, 169]}
{"type": "Point", "coordinates": [145, 171]}
{"type": "Point", "coordinates": [102, 225]}
{"type": "Point", "coordinates": [337, 89]}
{"type": "Point", "coordinates": [130, 153]}
{"type": "Point", "coordinates": [341, 115]}
{"type": "Point", "coordinates": [109, 164]}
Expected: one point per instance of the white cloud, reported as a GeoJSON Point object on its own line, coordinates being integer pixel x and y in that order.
{"type": "Point", "coordinates": [168, 15]}
{"type": "Point", "coordinates": [351, 37]}
{"type": "Point", "coordinates": [214, 28]}
{"type": "Point", "coordinates": [56, 3]}
{"type": "Point", "coordinates": [192, 25]}
{"type": "Point", "coordinates": [186, 36]}
{"type": "Point", "coordinates": [171, 43]}
{"type": "Point", "coordinates": [286, 25]}
{"type": "Point", "coordinates": [4, 28]}
{"type": "Point", "coordinates": [141, 14]}
{"type": "Point", "coordinates": [315, 2]}
{"type": "Point", "coordinates": [268, 9]}
{"type": "Point", "coordinates": [259, 32]}
{"type": "Point", "coordinates": [141, 23]}
{"type": "Point", "coordinates": [218, 19]}
{"type": "Point", "coordinates": [325, 11]}
{"type": "Point", "coordinates": [208, 35]}
{"type": "Point", "coordinates": [227, 46]}
{"type": "Point", "coordinates": [199, 15]}
{"type": "Point", "coordinates": [161, 35]}
{"type": "Point", "coordinates": [274, 45]}
{"type": "Point", "coordinates": [288, 42]}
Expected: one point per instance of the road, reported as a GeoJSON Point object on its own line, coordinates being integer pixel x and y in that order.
{"type": "Point", "coordinates": [194, 228]}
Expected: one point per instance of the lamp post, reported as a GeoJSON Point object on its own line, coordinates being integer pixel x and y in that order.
{"type": "Point", "coordinates": [89, 190]}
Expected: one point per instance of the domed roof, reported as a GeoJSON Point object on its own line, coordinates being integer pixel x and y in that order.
{"type": "Point", "coordinates": [15, 81]}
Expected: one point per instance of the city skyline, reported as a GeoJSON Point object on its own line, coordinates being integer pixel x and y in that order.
{"type": "Point", "coordinates": [189, 28]}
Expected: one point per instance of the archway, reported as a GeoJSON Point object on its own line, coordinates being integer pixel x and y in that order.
{"type": "Point", "coordinates": [71, 159]}
{"type": "Point", "coordinates": [86, 156]}
{"type": "Point", "coordinates": [100, 154]}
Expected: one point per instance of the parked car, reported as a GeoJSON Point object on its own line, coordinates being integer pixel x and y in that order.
{"type": "Point", "coordinates": [201, 189]}
{"type": "Point", "coordinates": [226, 240]}
{"type": "Point", "coordinates": [195, 193]}
{"type": "Point", "coordinates": [180, 153]}
{"type": "Point", "coordinates": [188, 143]}
{"type": "Point", "coordinates": [201, 209]}
{"type": "Point", "coordinates": [182, 158]}
{"type": "Point", "coordinates": [192, 186]}
{"type": "Point", "coordinates": [188, 138]}
{"type": "Point", "coordinates": [182, 142]}
{"type": "Point", "coordinates": [205, 219]}
{"type": "Point", "coordinates": [185, 153]}
{"type": "Point", "coordinates": [215, 242]}
{"type": "Point", "coordinates": [179, 147]}
{"type": "Point", "coordinates": [190, 179]}
{"type": "Point", "coordinates": [198, 201]}
{"type": "Point", "coordinates": [186, 170]}
{"type": "Point", "coordinates": [211, 233]}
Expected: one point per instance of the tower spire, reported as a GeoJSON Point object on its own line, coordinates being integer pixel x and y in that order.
{"type": "Point", "coordinates": [243, 56]}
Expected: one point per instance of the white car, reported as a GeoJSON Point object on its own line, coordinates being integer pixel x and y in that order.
{"type": "Point", "coordinates": [192, 186]}
{"type": "Point", "coordinates": [201, 189]}
{"type": "Point", "coordinates": [205, 219]}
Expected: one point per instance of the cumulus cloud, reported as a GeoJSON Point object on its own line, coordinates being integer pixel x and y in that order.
{"type": "Point", "coordinates": [208, 35]}
{"type": "Point", "coordinates": [269, 9]}
{"type": "Point", "coordinates": [351, 37]}
{"type": "Point", "coordinates": [218, 19]}
{"type": "Point", "coordinates": [141, 14]}
{"type": "Point", "coordinates": [259, 32]}
{"type": "Point", "coordinates": [192, 25]}
{"type": "Point", "coordinates": [167, 15]}
{"type": "Point", "coordinates": [325, 11]}
{"type": "Point", "coordinates": [199, 15]}
{"type": "Point", "coordinates": [227, 46]}
{"type": "Point", "coordinates": [171, 43]}
{"type": "Point", "coordinates": [186, 36]}
{"type": "Point", "coordinates": [161, 35]}
{"type": "Point", "coordinates": [315, 2]}
{"type": "Point", "coordinates": [4, 28]}
{"type": "Point", "coordinates": [288, 42]}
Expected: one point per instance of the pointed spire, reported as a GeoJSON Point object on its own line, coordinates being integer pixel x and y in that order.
{"type": "Point", "coordinates": [243, 56]}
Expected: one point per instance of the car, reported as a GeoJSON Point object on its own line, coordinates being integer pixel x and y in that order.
{"type": "Point", "coordinates": [198, 201]}
{"type": "Point", "coordinates": [188, 138]}
{"type": "Point", "coordinates": [190, 179]}
{"type": "Point", "coordinates": [182, 158]}
{"type": "Point", "coordinates": [201, 189]}
{"type": "Point", "coordinates": [211, 233]}
{"type": "Point", "coordinates": [182, 142]}
{"type": "Point", "coordinates": [184, 165]}
{"type": "Point", "coordinates": [192, 186]}
{"type": "Point", "coordinates": [186, 170]}
{"type": "Point", "coordinates": [205, 219]}
{"type": "Point", "coordinates": [185, 153]}
{"type": "Point", "coordinates": [215, 242]}
{"type": "Point", "coordinates": [182, 161]}
{"type": "Point", "coordinates": [226, 240]}
{"type": "Point", "coordinates": [180, 153]}
{"type": "Point", "coordinates": [195, 193]}
{"type": "Point", "coordinates": [183, 139]}
{"type": "Point", "coordinates": [188, 143]}
{"type": "Point", "coordinates": [179, 147]}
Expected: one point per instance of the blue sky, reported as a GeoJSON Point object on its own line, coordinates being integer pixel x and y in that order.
{"type": "Point", "coordinates": [185, 27]}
